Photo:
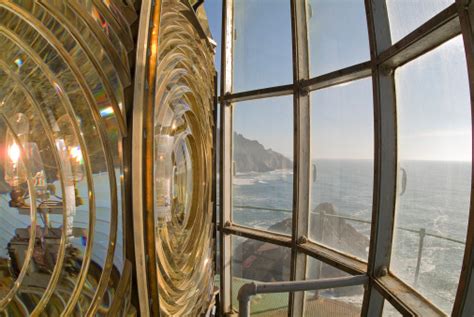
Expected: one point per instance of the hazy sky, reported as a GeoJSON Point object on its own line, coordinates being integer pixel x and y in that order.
{"type": "Point", "coordinates": [432, 92]}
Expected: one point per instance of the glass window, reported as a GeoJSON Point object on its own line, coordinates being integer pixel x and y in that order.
{"type": "Point", "coordinates": [337, 42]}
{"type": "Point", "coordinates": [262, 44]}
{"type": "Point", "coordinates": [434, 139]}
{"type": "Point", "coordinates": [342, 166]}
{"type": "Point", "coordinates": [254, 260]}
{"type": "Point", "coordinates": [406, 15]}
{"type": "Point", "coordinates": [263, 167]}
{"type": "Point", "coordinates": [343, 301]}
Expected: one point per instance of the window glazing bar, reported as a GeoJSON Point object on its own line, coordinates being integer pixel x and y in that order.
{"type": "Point", "coordinates": [260, 235]}
{"type": "Point", "coordinates": [334, 258]}
{"type": "Point", "coordinates": [275, 91]}
{"type": "Point", "coordinates": [439, 29]}
{"type": "Point", "coordinates": [215, 198]}
{"type": "Point", "coordinates": [385, 155]}
{"type": "Point", "coordinates": [406, 299]}
{"type": "Point", "coordinates": [225, 186]}
{"type": "Point", "coordinates": [338, 77]}
{"type": "Point", "coordinates": [342, 261]}
{"type": "Point", "coordinates": [302, 146]}
{"type": "Point", "coordinates": [464, 304]}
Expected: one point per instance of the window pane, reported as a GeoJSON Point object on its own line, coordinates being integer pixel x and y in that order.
{"type": "Point", "coordinates": [254, 260]}
{"type": "Point", "coordinates": [434, 156]}
{"type": "Point", "coordinates": [406, 15]}
{"type": "Point", "coordinates": [337, 42]}
{"type": "Point", "coordinates": [343, 301]}
{"type": "Point", "coordinates": [262, 44]}
{"type": "Point", "coordinates": [263, 167]}
{"type": "Point", "coordinates": [342, 170]}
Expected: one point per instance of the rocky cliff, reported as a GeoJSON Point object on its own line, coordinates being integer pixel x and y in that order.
{"type": "Point", "coordinates": [251, 156]}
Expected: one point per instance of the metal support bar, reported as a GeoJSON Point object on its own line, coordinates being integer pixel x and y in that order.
{"type": "Point", "coordinates": [464, 305]}
{"type": "Point", "coordinates": [334, 258]}
{"type": "Point", "coordinates": [254, 288]}
{"type": "Point", "coordinates": [214, 169]}
{"type": "Point", "coordinates": [403, 297]}
{"type": "Point", "coordinates": [385, 155]}
{"type": "Point", "coordinates": [431, 34]}
{"type": "Point", "coordinates": [256, 234]}
{"type": "Point", "coordinates": [275, 91]}
{"type": "Point", "coordinates": [225, 189]}
{"type": "Point", "coordinates": [338, 77]}
{"type": "Point", "coordinates": [302, 147]}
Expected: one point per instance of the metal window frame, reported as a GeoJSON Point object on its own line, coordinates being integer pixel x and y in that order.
{"type": "Point", "coordinates": [385, 58]}
{"type": "Point", "coordinates": [301, 150]}
{"type": "Point", "coordinates": [463, 305]}
{"type": "Point", "coordinates": [225, 157]}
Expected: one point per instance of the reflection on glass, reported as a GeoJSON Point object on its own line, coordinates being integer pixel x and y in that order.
{"type": "Point", "coordinates": [43, 82]}
{"type": "Point", "coordinates": [435, 154]}
{"type": "Point", "coordinates": [338, 35]}
{"type": "Point", "coordinates": [32, 249]}
{"type": "Point", "coordinates": [15, 171]}
{"type": "Point", "coordinates": [342, 167]}
{"type": "Point", "coordinates": [406, 15]}
{"type": "Point", "coordinates": [262, 44]}
{"type": "Point", "coordinates": [343, 301]}
{"type": "Point", "coordinates": [254, 260]}
{"type": "Point", "coordinates": [17, 216]}
{"type": "Point", "coordinates": [263, 168]}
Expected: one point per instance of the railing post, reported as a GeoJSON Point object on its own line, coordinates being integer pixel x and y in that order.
{"type": "Point", "coordinates": [422, 234]}
{"type": "Point", "coordinates": [319, 238]}
{"type": "Point", "coordinates": [322, 218]}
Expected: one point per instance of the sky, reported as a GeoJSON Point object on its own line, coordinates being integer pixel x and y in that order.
{"type": "Point", "coordinates": [432, 92]}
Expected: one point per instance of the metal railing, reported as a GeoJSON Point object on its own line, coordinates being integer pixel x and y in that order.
{"type": "Point", "coordinates": [422, 232]}
{"type": "Point", "coordinates": [254, 288]}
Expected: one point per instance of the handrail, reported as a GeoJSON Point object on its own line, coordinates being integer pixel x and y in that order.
{"type": "Point", "coordinates": [254, 288]}
{"type": "Point", "coordinates": [422, 233]}
{"type": "Point", "coordinates": [434, 235]}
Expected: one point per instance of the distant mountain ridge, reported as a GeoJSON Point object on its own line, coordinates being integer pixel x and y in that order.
{"type": "Point", "coordinates": [251, 156]}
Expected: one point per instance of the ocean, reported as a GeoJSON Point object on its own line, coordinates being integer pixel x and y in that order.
{"type": "Point", "coordinates": [435, 198]}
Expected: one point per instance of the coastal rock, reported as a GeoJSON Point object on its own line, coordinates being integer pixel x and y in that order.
{"type": "Point", "coordinates": [330, 229]}
{"type": "Point", "coordinates": [251, 156]}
